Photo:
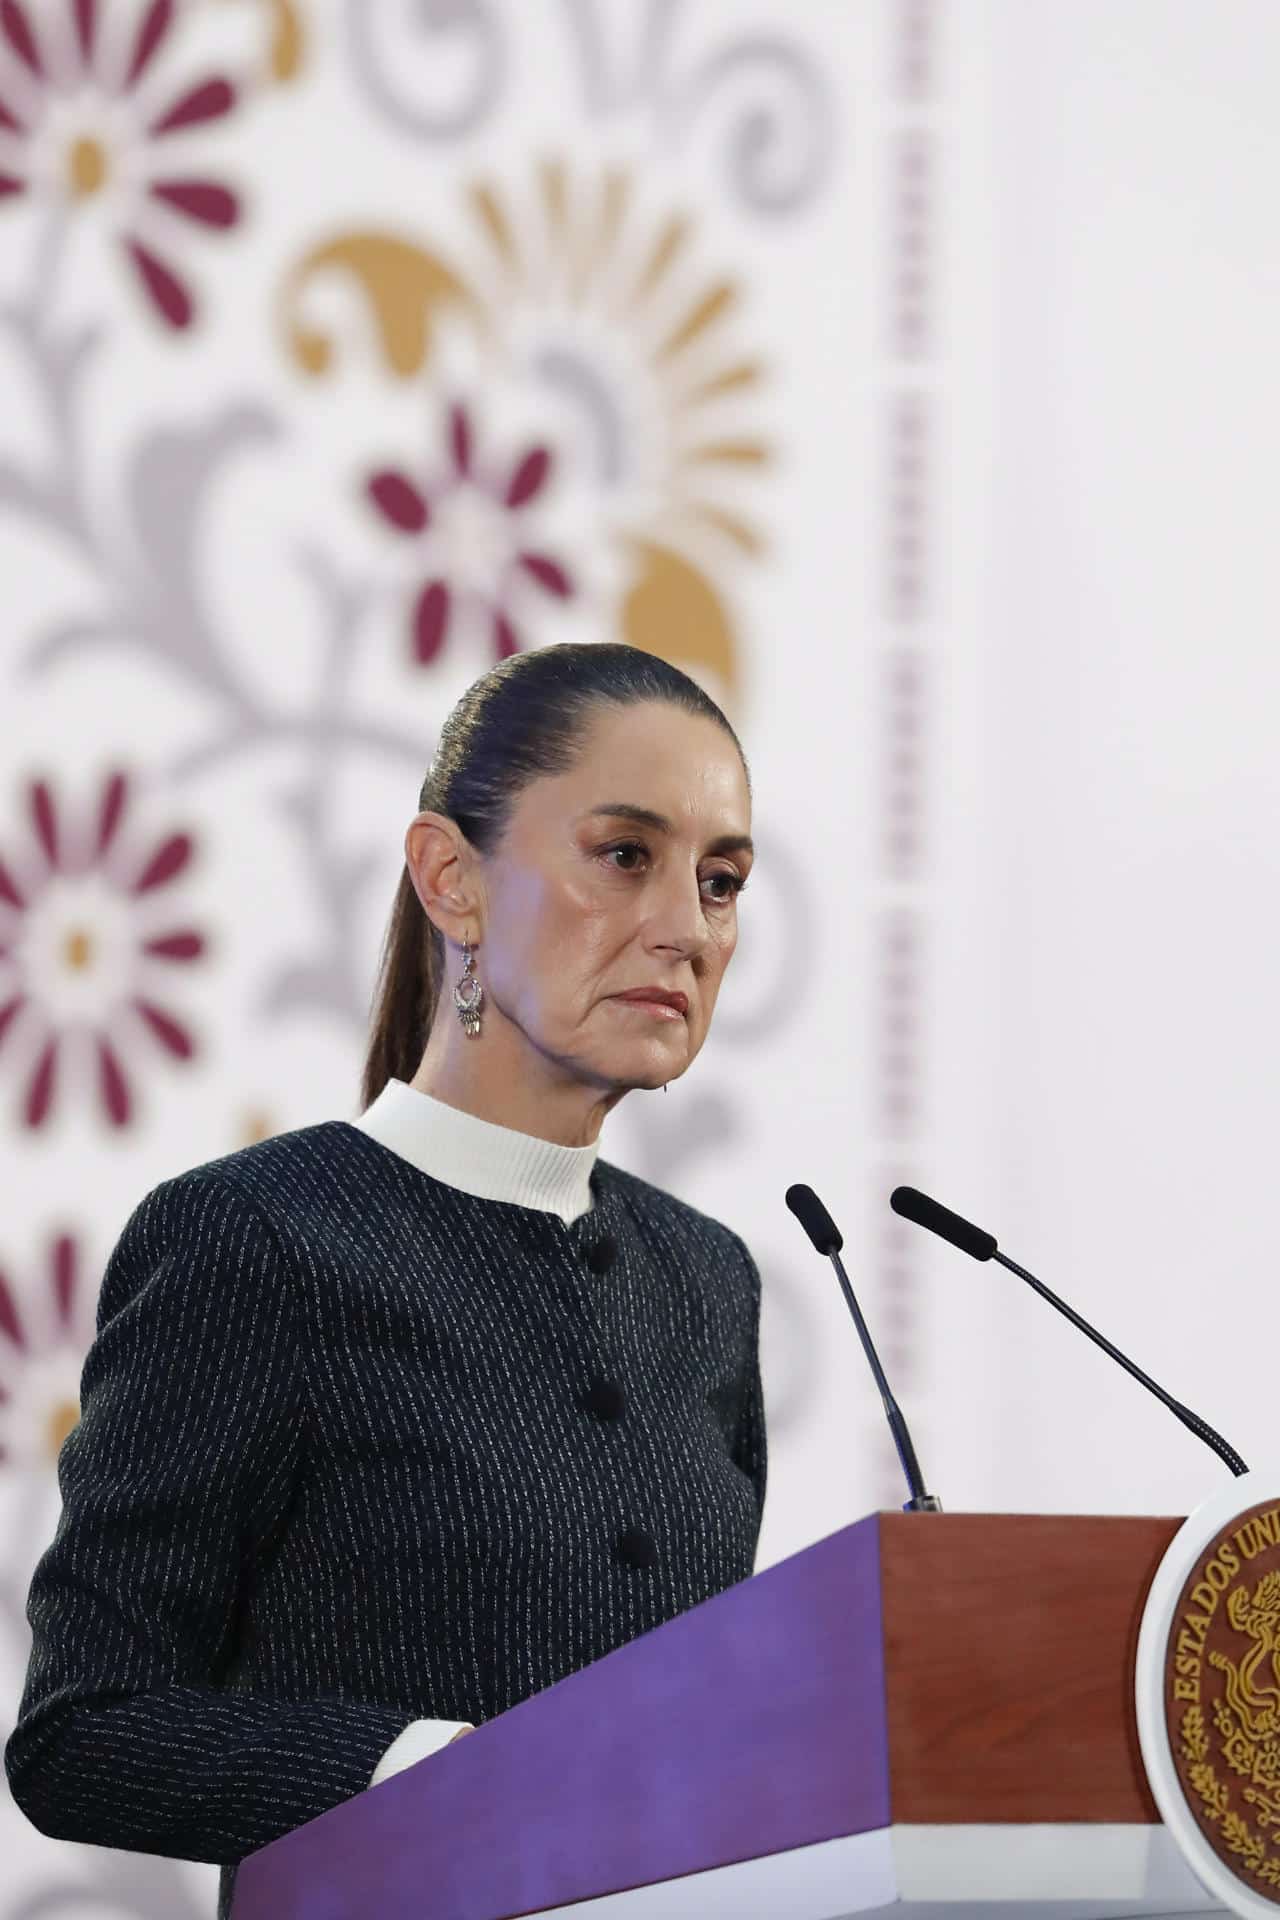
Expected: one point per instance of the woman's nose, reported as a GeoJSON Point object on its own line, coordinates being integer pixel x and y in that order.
{"type": "Point", "coordinates": [680, 916]}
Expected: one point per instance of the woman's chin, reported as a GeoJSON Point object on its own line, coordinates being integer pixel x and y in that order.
{"type": "Point", "coordinates": [660, 1066]}
{"type": "Point", "coordinates": [641, 1064]}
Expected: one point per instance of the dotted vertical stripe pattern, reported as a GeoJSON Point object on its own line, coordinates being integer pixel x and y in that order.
{"type": "Point", "coordinates": [906, 609]}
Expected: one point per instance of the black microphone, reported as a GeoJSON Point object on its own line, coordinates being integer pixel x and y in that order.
{"type": "Point", "coordinates": [918, 1207]}
{"type": "Point", "coordinates": [826, 1237]}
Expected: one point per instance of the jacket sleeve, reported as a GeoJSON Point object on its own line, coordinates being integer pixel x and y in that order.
{"type": "Point", "coordinates": [751, 1448]}
{"type": "Point", "coordinates": [180, 1471]}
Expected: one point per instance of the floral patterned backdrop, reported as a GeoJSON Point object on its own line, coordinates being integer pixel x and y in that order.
{"type": "Point", "coordinates": [903, 371]}
{"type": "Point", "coordinates": [347, 346]}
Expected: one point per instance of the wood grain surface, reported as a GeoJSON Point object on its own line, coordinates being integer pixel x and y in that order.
{"type": "Point", "coordinates": [1009, 1649]}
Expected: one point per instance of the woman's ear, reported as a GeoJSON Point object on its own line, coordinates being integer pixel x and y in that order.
{"type": "Point", "coordinates": [442, 867]}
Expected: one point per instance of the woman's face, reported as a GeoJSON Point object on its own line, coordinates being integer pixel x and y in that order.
{"type": "Point", "coordinates": [583, 903]}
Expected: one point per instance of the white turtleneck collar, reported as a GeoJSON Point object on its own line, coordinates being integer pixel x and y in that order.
{"type": "Point", "coordinates": [478, 1156]}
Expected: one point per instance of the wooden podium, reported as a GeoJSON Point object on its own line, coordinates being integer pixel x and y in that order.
{"type": "Point", "coordinates": [922, 1714]}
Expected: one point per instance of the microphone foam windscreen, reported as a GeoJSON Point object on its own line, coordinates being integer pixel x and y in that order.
{"type": "Point", "coordinates": [815, 1219]}
{"type": "Point", "coordinates": [918, 1207]}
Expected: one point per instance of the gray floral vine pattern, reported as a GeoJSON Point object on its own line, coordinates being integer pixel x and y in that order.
{"type": "Point", "coordinates": [150, 601]}
{"type": "Point", "coordinates": [781, 146]}
{"type": "Point", "coordinates": [392, 48]}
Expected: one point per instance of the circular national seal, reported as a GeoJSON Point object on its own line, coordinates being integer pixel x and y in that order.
{"type": "Point", "coordinates": [1208, 1693]}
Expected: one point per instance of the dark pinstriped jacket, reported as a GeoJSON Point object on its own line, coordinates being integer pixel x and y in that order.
{"type": "Point", "coordinates": [357, 1448]}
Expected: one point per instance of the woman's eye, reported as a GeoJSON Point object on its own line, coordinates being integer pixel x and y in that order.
{"type": "Point", "coordinates": [734, 888]}
{"type": "Point", "coordinates": [628, 846]}
{"type": "Point", "coordinates": [632, 857]}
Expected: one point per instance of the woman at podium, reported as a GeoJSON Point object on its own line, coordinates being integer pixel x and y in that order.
{"type": "Point", "coordinates": [391, 1423]}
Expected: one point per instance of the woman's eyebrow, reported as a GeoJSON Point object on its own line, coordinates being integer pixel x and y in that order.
{"type": "Point", "coordinates": [646, 817]}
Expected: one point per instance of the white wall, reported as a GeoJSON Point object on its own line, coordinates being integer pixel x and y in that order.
{"type": "Point", "coordinates": [1132, 804]}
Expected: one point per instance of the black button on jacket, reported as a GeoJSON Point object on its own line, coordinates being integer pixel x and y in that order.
{"type": "Point", "coordinates": [334, 1472]}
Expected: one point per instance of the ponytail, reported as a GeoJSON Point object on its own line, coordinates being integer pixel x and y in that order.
{"type": "Point", "coordinates": [405, 995]}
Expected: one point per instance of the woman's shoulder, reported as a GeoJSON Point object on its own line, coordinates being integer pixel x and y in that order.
{"type": "Point", "coordinates": [657, 1210]}
{"type": "Point", "coordinates": [301, 1172]}
{"type": "Point", "coordinates": [279, 1163]}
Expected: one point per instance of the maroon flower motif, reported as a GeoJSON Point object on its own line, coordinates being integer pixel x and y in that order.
{"type": "Point", "coordinates": [42, 1350]}
{"type": "Point", "coordinates": [69, 126]}
{"type": "Point", "coordinates": [78, 949]}
{"type": "Point", "coordinates": [473, 529]}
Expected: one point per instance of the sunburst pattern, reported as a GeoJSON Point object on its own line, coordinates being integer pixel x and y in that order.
{"type": "Point", "coordinates": [586, 278]}
{"type": "Point", "coordinates": [575, 293]}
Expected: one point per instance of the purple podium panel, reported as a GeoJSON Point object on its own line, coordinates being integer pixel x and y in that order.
{"type": "Point", "coordinates": [750, 1725]}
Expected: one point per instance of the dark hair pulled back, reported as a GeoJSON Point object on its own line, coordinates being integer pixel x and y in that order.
{"type": "Point", "coordinates": [523, 719]}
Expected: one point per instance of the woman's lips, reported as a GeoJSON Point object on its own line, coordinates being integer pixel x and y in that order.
{"type": "Point", "coordinates": [660, 1007]}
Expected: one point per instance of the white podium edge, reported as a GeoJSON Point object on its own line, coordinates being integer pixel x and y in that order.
{"type": "Point", "coordinates": [1062, 1870]}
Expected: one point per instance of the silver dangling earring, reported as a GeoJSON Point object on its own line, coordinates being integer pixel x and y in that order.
{"type": "Point", "coordinates": [468, 993]}
{"type": "Point", "coordinates": [664, 1086]}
